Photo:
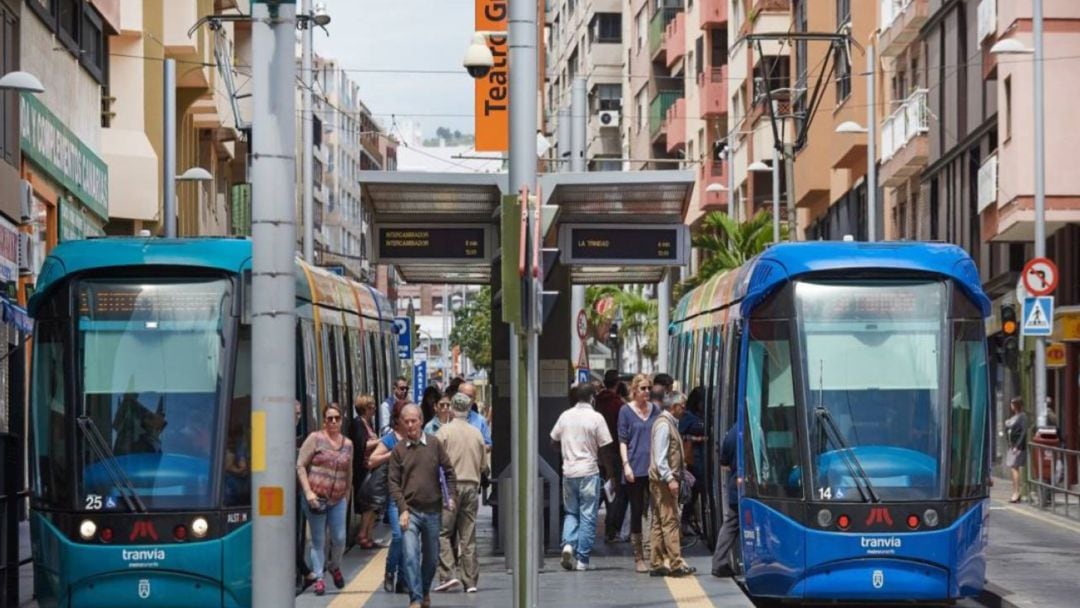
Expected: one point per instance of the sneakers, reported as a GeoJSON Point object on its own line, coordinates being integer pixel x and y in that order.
{"type": "Point", "coordinates": [339, 580]}
{"type": "Point", "coordinates": [426, 603]}
{"type": "Point", "coordinates": [320, 587]}
{"type": "Point", "coordinates": [581, 566]}
{"type": "Point", "coordinates": [640, 567]}
{"type": "Point", "coordinates": [471, 590]}
{"type": "Point", "coordinates": [659, 571]}
{"type": "Point", "coordinates": [447, 585]}
{"type": "Point", "coordinates": [388, 582]}
{"type": "Point", "coordinates": [683, 571]}
{"type": "Point", "coordinates": [567, 557]}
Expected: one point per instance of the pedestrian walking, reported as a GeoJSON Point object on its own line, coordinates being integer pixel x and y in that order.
{"type": "Point", "coordinates": [394, 577]}
{"type": "Point", "coordinates": [371, 494]}
{"type": "Point", "coordinates": [475, 419]}
{"type": "Point", "coordinates": [727, 538]}
{"type": "Point", "coordinates": [1016, 432]}
{"type": "Point", "coordinates": [399, 398]}
{"type": "Point", "coordinates": [464, 446]}
{"type": "Point", "coordinates": [416, 489]}
{"type": "Point", "coordinates": [667, 462]}
{"type": "Point", "coordinates": [635, 426]}
{"type": "Point", "coordinates": [580, 433]}
{"type": "Point", "coordinates": [324, 468]}
{"type": "Point", "coordinates": [443, 415]}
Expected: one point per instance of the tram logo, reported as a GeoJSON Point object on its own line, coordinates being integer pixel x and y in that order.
{"type": "Point", "coordinates": [879, 515]}
{"type": "Point", "coordinates": [143, 529]}
{"type": "Point", "coordinates": [878, 579]}
{"type": "Point", "coordinates": [144, 588]}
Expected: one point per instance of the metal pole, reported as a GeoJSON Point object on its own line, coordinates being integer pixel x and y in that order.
{"type": "Point", "coordinates": [871, 147]}
{"type": "Point", "coordinates": [445, 333]}
{"type": "Point", "coordinates": [1040, 199]}
{"type": "Point", "coordinates": [663, 318]}
{"type": "Point", "coordinates": [169, 150]}
{"type": "Point", "coordinates": [789, 196]}
{"type": "Point", "coordinates": [523, 93]}
{"type": "Point", "coordinates": [307, 127]}
{"type": "Point", "coordinates": [578, 122]}
{"type": "Point", "coordinates": [273, 302]}
{"type": "Point", "coordinates": [776, 194]}
{"type": "Point", "coordinates": [733, 198]}
{"type": "Point", "coordinates": [578, 126]}
{"type": "Point", "coordinates": [562, 134]}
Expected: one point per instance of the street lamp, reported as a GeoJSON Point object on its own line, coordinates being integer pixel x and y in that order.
{"type": "Point", "coordinates": [1011, 46]}
{"type": "Point", "coordinates": [21, 81]}
{"type": "Point", "coordinates": [760, 167]}
{"type": "Point", "coordinates": [305, 20]}
{"type": "Point", "coordinates": [194, 175]}
{"type": "Point", "coordinates": [850, 126]}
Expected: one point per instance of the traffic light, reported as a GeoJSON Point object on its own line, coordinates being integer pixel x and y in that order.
{"type": "Point", "coordinates": [1010, 342]}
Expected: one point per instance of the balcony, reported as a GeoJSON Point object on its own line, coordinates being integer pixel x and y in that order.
{"type": "Point", "coordinates": [714, 13]}
{"type": "Point", "coordinates": [675, 126]}
{"type": "Point", "coordinates": [675, 39]}
{"type": "Point", "coordinates": [899, 22]}
{"type": "Point", "coordinates": [657, 29]}
{"type": "Point", "coordinates": [658, 112]}
{"type": "Point", "coordinates": [712, 87]}
{"type": "Point", "coordinates": [987, 23]}
{"type": "Point", "coordinates": [712, 172]}
{"type": "Point", "coordinates": [987, 183]}
{"type": "Point", "coordinates": [904, 149]}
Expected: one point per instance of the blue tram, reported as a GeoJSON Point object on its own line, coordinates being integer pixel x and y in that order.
{"type": "Point", "coordinates": [856, 377]}
{"type": "Point", "coordinates": [140, 413]}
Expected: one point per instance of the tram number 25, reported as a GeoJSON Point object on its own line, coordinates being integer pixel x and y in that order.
{"type": "Point", "coordinates": [93, 502]}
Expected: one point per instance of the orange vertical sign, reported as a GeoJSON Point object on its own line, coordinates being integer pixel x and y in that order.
{"type": "Point", "coordinates": [493, 91]}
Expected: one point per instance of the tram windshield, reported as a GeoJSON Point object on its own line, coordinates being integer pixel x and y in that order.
{"type": "Point", "coordinates": [872, 364]}
{"type": "Point", "coordinates": [150, 361]}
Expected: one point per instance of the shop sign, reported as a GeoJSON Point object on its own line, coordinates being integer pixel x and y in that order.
{"type": "Point", "coordinates": [74, 223]}
{"type": "Point", "coordinates": [1055, 354]}
{"type": "Point", "coordinates": [1067, 324]}
{"type": "Point", "coordinates": [55, 149]}
{"type": "Point", "coordinates": [9, 251]}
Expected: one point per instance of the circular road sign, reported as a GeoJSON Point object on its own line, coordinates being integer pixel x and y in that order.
{"type": "Point", "coordinates": [582, 324]}
{"type": "Point", "coordinates": [1040, 277]}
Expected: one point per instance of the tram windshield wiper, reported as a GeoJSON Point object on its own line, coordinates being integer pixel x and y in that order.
{"type": "Point", "coordinates": [105, 455]}
{"type": "Point", "coordinates": [849, 458]}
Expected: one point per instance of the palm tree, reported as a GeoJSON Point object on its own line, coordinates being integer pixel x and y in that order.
{"type": "Point", "coordinates": [727, 244]}
{"type": "Point", "coordinates": [639, 317]}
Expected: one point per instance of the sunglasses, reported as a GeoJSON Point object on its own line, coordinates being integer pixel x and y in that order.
{"type": "Point", "coordinates": [644, 388]}
{"type": "Point", "coordinates": [401, 388]}
{"type": "Point", "coordinates": [333, 418]}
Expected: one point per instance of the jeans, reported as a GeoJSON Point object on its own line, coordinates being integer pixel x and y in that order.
{"type": "Point", "coordinates": [421, 552]}
{"type": "Point", "coordinates": [317, 523]}
{"type": "Point", "coordinates": [394, 563]}
{"type": "Point", "coordinates": [581, 499]}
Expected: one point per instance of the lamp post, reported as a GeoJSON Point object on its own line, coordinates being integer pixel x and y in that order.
{"type": "Point", "coordinates": [199, 177]}
{"type": "Point", "coordinates": [1011, 46]}
{"type": "Point", "coordinates": [760, 167]}
{"type": "Point", "coordinates": [852, 127]}
{"type": "Point", "coordinates": [306, 20]}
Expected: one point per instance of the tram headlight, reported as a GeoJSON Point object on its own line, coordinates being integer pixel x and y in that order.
{"type": "Point", "coordinates": [199, 527]}
{"type": "Point", "coordinates": [824, 518]}
{"type": "Point", "coordinates": [87, 529]}
{"type": "Point", "coordinates": [930, 518]}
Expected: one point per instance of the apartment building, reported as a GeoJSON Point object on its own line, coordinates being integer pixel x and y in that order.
{"type": "Point", "coordinates": [648, 88]}
{"type": "Point", "coordinates": [584, 38]}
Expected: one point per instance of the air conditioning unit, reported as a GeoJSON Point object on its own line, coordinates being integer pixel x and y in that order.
{"type": "Point", "coordinates": [26, 253]}
{"type": "Point", "coordinates": [608, 118]}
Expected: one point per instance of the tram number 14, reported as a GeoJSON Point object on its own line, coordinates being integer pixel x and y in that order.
{"type": "Point", "coordinates": [824, 493]}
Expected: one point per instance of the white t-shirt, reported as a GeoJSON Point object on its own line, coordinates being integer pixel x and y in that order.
{"type": "Point", "coordinates": [581, 432]}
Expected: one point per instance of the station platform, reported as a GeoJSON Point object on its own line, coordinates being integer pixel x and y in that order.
{"type": "Point", "coordinates": [612, 582]}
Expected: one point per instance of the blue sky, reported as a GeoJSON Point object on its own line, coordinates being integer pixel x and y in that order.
{"type": "Point", "coordinates": [405, 34]}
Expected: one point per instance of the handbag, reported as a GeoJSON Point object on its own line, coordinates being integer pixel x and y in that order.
{"type": "Point", "coordinates": [321, 508]}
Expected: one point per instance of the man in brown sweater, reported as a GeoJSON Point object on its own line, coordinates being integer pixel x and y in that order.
{"type": "Point", "coordinates": [418, 489]}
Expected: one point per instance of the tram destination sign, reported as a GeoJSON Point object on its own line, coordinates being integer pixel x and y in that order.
{"type": "Point", "coordinates": [452, 243]}
{"type": "Point", "coordinates": [623, 245]}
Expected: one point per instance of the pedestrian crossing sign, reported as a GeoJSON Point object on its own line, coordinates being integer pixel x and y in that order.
{"type": "Point", "coordinates": [1038, 316]}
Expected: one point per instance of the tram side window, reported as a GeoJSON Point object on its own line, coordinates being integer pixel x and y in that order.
{"type": "Point", "coordinates": [770, 411]}
{"type": "Point", "coordinates": [238, 439]}
{"type": "Point", "coordinates": [307, 330]}
{"type": "Point", "coordinates": [52, 477]}
{"type": "Point", "coordinates": [968, 411]}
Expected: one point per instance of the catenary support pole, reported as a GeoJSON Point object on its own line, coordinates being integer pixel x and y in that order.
{"type": "Point", "coordinates": [169, 149]}
{"type": "Point", "coordinates": [1040, 197]}
{"type": "Point", "coordinates": [578, 126]}
{"type": "Point", "coordinates": [445, 347]}
{"type": "Point", "coordinates": [522, 170]}
{"type": "Point", "coordinates": [273, 302]}
{"type": "Point", "coordinates": [663, 307]}
{"type": "Point", "coordinates": [776, 195]}
{"type": "Point", "coordinates": [871, 146]}
{"type": "Point", "coordinates": [789, 190]}
{"type": "Point", "coordinates": [307, 126]}
{"type": "Point", "coordinates": [562, 139]}
{"type": "Point", "coordinates": [733, 197]}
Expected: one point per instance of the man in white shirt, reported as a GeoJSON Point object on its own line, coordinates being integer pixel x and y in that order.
{"type": "Point", "coordinates": [580, 433]}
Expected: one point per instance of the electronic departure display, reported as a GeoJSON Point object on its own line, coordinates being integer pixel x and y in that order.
{"type": "Point", "coordinates": [444, 243]}
{"type": "Point", "coordinates": [624, 245]}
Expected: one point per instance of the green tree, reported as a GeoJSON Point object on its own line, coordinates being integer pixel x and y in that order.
{"type": "Point", "coordinates": [472, 329]}
{"type": "Point", "coordinates": [639, 313]}
{"type": "Point", "coordinates": [726, 244]}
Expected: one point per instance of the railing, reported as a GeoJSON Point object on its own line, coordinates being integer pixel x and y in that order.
{"type": "Point", "coordinates": [1050, 470]}
{"type": "Point", "coordinates": [889, 10]}
{"type": "Point", "coordinates": [988, 182]}
{"type": "Point", "coordinates": [657, 27]}
{"type": "Point", "coordinates": [987, 24]}
{"type": "Point", "coordinates": [658, 109]}
{"type": "Point", "coordinates": [907, 121]}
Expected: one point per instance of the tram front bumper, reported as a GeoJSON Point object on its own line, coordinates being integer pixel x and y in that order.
{"type": "Point", "coordinates": [143, 588]}
{"type": "Point", "coordinates": [874, 579]}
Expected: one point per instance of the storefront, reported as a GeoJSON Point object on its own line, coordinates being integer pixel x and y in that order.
{"type": "Point", "coordinates": [1064, 365]}
{"type": "Point", "coordinates": [69, 183]}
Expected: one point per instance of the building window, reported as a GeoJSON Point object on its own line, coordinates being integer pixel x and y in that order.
{"type": "Point", "coordinates": [843, 75]}
{"type": "Point", "coordinates": [68, 20]}
{"type": "Point", "coordinates": [1008, 107]}
{"type": "Point", "coordinates": [79, 27]}
{"type": "Point", "coordinates": [94, 56]}
{"type": "Point", "coordinates": [609, 96]}
{"type": "Point", "coordinates": [642, 108]}
{"type": "Point", "coordinates": [9, 100]}
{"type": "Point", "coordinates": [607, 27]}
{"type": "Point", "coordinates": [642, 27]}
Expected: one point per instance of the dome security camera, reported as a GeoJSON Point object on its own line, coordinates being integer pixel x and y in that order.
{"type": "Point", "coordinates": [320, 16]}
{"type": "Point", "coordinates": [478, 59]}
